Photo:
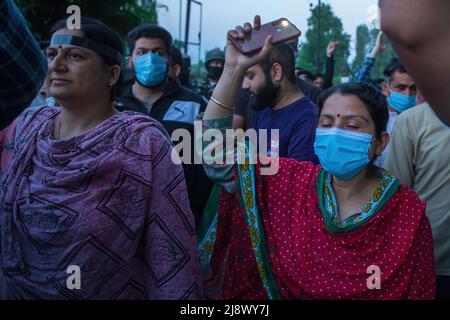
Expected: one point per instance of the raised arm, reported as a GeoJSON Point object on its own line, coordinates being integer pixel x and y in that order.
{"type": "Point", "coordinates": [227, 89]}
{"type": "Point", "coordinates": [364, 73]}
{"type": "Point", "coordinates": [329, 67]}
{"type": "Point", "coordinates": [420, 33]}
{"type": "Point", "coordinates": [219, 112]}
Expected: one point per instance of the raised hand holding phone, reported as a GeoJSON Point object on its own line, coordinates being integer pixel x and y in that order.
{"type": "Point", "coordinates": [236, 64]}
{"type": "Point", "coordinates": [281, 30]}
{"type": "Point", "coordinates": [235, 57]}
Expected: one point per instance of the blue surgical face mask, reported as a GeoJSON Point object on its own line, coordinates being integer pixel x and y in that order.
{"type": "Point", "coordinates": [150, 69]}
{"type": "Point", "coordinates": [401, 102]}
{"type": "Point", "coordinates": [342, 153]}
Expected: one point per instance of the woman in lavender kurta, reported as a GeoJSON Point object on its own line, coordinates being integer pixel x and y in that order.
{"type": "Point", "coordinates": [86, 186]}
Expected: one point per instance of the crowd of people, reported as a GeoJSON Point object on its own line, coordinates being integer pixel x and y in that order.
{"type": "Point", "coordinates": [88, 175]}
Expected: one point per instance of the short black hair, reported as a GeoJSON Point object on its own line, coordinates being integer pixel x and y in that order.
{"type": "Point", "coordinates": [394, 65]}
{"type": "Point", "coordinates": [377, 83]}
{"type": "Point", "coordinates": [146, 30]}
{"type": "Point", "coordinates": [374, 101]}
{"type": "Point", "coordinates": [96, 30]}
{"type": "Point", "coordinates": [309, 74]}
{"type": "Point", "coordinates": [318, 75]}
{"type": "Point", "coordinates": [282, 54]}
{"type": "Point", "coordinates": [176, 57]}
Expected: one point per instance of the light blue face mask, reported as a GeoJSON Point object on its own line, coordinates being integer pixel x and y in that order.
{"type": "Point", "coordinates": [401, 102]}
{"type": "Point", "coordinates": [342, 153]}
{"type": "Point", "coordinates": [150, 69]}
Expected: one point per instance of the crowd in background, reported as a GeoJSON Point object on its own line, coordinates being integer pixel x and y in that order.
{"type": "Point", "coordinates": [88, 176]}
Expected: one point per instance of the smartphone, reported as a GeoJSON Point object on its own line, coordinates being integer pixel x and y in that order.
{"type": "Point", "coordinates": [282, 30]}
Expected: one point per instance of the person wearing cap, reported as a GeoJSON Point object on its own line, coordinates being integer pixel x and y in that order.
{"type": "Point", "coordinates": [154, 93]}
{"type": "Point", "coordinates": [83, 213]}
{"type": "Point", "coordinates": [214, 62]}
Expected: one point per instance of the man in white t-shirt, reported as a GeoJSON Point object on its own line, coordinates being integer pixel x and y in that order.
{"type": "Point", "coordinates": [420, 157]}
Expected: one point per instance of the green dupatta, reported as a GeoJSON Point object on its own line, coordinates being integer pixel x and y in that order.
{"type": "Point", "coordinates": [246, 186]}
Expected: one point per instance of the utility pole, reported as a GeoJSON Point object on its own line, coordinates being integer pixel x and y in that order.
{"type": "Point", "coordinates": [319, 39]}
{"type": "Point", "coordinates": [188, 18]}
{"type": "Point", "coordinates": [179, 17]}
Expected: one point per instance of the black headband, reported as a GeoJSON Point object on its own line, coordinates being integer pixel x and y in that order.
{"type": "Point", "coordinates": [99, 48]}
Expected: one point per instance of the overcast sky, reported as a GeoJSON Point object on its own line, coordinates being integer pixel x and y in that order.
{"type": "Point", "coordinates": [221, 15]}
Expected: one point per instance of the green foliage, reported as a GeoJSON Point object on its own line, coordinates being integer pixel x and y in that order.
{"type": "Point", "coordinates": [365, 41]}
{"type": "Point", "coordinates": [362, 45]}
{"type": "Point", "coordinates": [121, 15]}
{"type": "Point", "coordinates": [384, 58]}
{"type": "Point", "coordinates": [312, 54]}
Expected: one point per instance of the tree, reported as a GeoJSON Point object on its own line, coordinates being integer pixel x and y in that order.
{"type": "Point", "coordinates": [362, 46]}
{"type": "Point", "coordinates": [121, 15]}
{"type": "Point", "coordinates": [365, 41]}
{"type": "Point", "coordinates": [313, 51]}
{"type": "Point", "coordinates": [383, 59]}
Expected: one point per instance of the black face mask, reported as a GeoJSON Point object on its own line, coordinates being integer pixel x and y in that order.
{"type": "Point", "coordinates": [214, 73]}
{"type": "Point", "coordinates": [267, 95]}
